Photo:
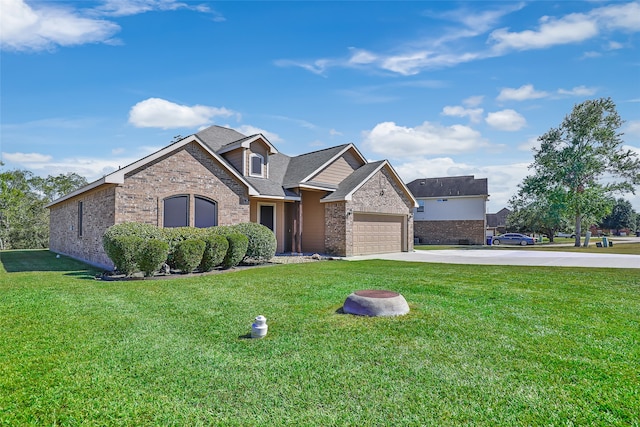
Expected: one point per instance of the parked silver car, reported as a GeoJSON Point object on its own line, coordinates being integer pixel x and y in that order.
{"type": "Point", "coordinates": [513, 239]}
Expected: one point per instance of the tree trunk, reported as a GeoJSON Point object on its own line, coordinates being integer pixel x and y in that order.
{"type": "Point", "coordinates": [578, 230]}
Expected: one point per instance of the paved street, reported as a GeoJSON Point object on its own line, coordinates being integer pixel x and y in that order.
{"type": "Point", "coordinates": [516, 256]}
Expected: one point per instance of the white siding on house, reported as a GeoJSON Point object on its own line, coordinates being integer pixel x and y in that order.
{"type": "Point", "coordinates": [451, 209]}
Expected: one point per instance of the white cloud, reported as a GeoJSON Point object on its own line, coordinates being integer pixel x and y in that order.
{"type": "Point", "coordinates": [415, 56]}
{"type": "Point", "coordinates": [391, 140]}
{"type": "Point", "coordinates": [26, 158]}
{"type": "Point", "coordinates": [334, 132]}
{"type": "Point", "coordinates": [571, 28]}
{"type": "Point", "coordinates": [160, 113]}
{"type": "Point", "coordinates": [522, 93]}
{"type": "Point", "coordinates": [413, 62]}
{"type": "Point", "coordinates": [529, 144]}
{"type": "Point", "coordinates": [624, 17]}
{"type": "Point", "coordinates": [474, 114]}
{"type": "Point", "coordinates": [361, 56]}
{"type": "Point", "coordinates": [473, 101]}
{"type": "Point", "coordinates": [252, 130]}
{"type": "Point", "coordinates": [632, 129]}
{"type": "Point", "coordinates": [25, 28]}
{"type": "Point", "coordinates": [507, 120]}
{"type": "Point", "coordinates": [578, 91]}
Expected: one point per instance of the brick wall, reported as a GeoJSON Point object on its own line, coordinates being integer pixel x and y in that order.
{"type": "Point", "coordinates": [380, 194]}
{"type": "Point", "coordinates": [98, 215]}
{"type": "Point", "coordinates": [336, 228]}
{"type": "Point", "coordinates": [188, 171]}
{"type": "Point", "coordinates": [449, 232]}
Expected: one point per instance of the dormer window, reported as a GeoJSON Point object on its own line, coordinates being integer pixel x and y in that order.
{"type": "Point", "coordinates": [256, 165]}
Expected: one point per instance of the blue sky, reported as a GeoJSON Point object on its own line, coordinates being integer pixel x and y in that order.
{"type": "Point", "coordinates": [438, 88]}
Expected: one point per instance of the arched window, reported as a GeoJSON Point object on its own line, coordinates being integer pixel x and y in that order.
{"type": "Point", "coordinates": [206, 212]}
{"type": "Point", "coordinates": [176, 211]}
{"type": "Point", "coordinates": [256, 165]}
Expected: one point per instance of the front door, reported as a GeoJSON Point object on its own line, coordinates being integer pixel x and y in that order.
{"type": "Point", "coordinates": [267, 217]}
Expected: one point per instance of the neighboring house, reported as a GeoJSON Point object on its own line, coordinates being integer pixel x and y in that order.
{"type": "Point", "coordinates": [497, 222]}
{"type": "Point", "coordinates": [330, 201]}
{"type": "Point", "coordinates": [451, 210]}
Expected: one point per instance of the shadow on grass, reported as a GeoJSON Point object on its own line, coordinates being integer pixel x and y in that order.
{"type": "Point", "coordinates": [30, 260]}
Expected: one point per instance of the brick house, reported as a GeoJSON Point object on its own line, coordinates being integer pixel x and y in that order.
{"type": "Point", "coordinates": [451, 210]}
{"type": "Point", "coordinates": [330, 201]}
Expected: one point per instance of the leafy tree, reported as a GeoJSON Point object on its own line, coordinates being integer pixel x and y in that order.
{"type": "Point", "coordinates": [622, 216]}
{"type": "Point", "coordinates": [24, 220]}
{"type": "Point", "coordinates": [583, 163]}
{"type": "Point", "coordinates": [531, 213]}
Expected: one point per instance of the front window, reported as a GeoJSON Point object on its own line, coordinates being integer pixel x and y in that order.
{"type": "Point", "coordinates": [176, 211]}
{"type": "Point", "coordinates": [256, 166]}
{"type": "Point", "coordinates": [420, 205]}
{"type": "Point", "coordinates": [206, 212]}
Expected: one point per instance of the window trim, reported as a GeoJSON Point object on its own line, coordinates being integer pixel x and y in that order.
{"type": "Point", "coordinates": [262, 165]}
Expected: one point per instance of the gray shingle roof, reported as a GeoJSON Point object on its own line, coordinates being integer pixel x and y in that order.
{"type": "Point", "coordinates": [449, 186]}
{"type": "Point", "coordinates": [301, 166]}
{"type": "Point", "coordinates": [217, 136]}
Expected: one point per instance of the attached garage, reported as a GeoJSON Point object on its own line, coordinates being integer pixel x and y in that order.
{"type": "Point", "coordinates": [375, 233]}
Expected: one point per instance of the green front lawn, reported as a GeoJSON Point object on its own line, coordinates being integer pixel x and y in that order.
{"type": "Point", "coordinates": [483, 345]}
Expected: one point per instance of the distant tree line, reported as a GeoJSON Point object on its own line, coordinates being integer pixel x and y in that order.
{"type": "Point", "coordinates": [24, 220]}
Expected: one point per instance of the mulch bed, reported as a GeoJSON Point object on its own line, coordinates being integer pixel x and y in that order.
{"type": "Point", "coordinates": [277, 260]}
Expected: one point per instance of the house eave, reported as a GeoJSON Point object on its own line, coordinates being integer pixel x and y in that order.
{"type": "Point", "coordinates": [79, 191]}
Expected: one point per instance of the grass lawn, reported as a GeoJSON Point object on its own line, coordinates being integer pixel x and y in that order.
{"type": "Point", "coordinates": [617, 248]}
{"type": "Point", "coordinates": [483, 345]}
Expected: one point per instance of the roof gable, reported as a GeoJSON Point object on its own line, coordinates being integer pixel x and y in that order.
{"type": "Point", "coordinates": [303, 168]}
{"type": "Point", "coordinates": [246, 143]}
{"type": "Point", "coordinates": [360, 176]}
{"type": "Point", "coordinates": [118, 176]}
{"type": "Point", "coordinates": [450, 186]}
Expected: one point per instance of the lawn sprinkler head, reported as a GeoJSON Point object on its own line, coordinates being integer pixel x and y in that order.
{"type": "Point", "coordinates": [259, 327]}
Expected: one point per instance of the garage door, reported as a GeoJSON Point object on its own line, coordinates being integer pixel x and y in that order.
{"type": "Point", "coordinates": [377, 234]}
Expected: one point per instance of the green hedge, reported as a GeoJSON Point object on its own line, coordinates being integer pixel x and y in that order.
{"type": "Point", "coordinates": [237, 249]}
{"type": "Point", "coordinates": [152, 253]}
{"type": "Point", "coordinates": [262, 241]}
{"type": "Point", "coordinates": [124, 253]}
{"type": "Point", "coordinates": [136, 246]}
{"type": "Point", "coordinates": [175, 235]}
{"type": "Point", "coordinates": [216, 247]}
{"type": "Point", "coordinates": [187, 254]}
{"type": "Point", "coordinates": [131, 229]}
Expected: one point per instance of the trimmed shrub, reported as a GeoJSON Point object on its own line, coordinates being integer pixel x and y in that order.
{"type": "Point", "coordinates": [136, 229]}
{"type": "Point", "coordinates": [124, 253]}
{"type": "Point", "coordinates": [237, 249]}
{"type": "Point", "coordinates": [262, 241]}
{"type": "Point", "coordinates": [152, 253]}
{"type": "Point", "coordinates": [216, 247]}
{"type": "Point", "coordinates": [175, 235]}
{"type": "Point", "coordinates": [187, 254]}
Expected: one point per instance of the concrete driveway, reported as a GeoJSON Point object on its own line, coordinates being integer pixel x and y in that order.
{"type": "Point", "coordinates": [513, 257]}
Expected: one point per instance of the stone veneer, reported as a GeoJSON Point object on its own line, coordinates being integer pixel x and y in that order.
{"type": "Point", "coordinates": [187, 171]}
{"type": "Point", "coordinates": [450, 232]}
{"type": "Point", "coordinates": [380, 194]}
